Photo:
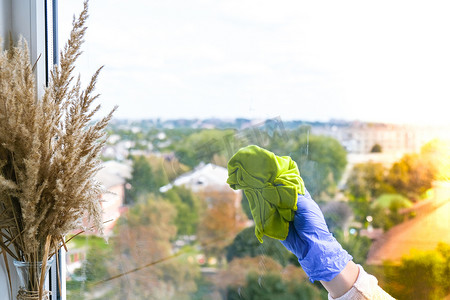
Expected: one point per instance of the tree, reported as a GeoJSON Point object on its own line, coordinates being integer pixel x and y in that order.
{"type": "Point", "coordinates": [385, 210]}
{"type": "Point", "coordinates": [436, 153]}
{"type": "Point", "coordinates": [245, 244]}
{"type": "Point", "coordinates": [96, 267]}
{"type": "Point", "coordinates": [376, 149]}
{"type": "Point", "coordinates": [358, 246]}
{"type": "Point", "coordinates": [321, 160]}
{"type": "Point", "coordinates": [393, 202]}
{"type": "Point", "coordinates": [422, 275]}
{"type": "Point", "coordinates": [412, 175]}
{"type": "Point", "coordinates": [167, 168]}
{"type": "Point", "coordinates": [142, 179]}
{"type": "Point", "coordinates": [337, 215]}
{"type": "Point", "coordinates": [142, 242]}
{"type": "Point", "coordinates": [207, 146]}
{"type": "Point", "coordinates": [220, 223]}
{"type": "Point", "coordinates": [272, 287]}
{"type": "Point", "coordinates": [188, 208]}
{"type": "Point", "coordinates": [367, 180]}
{"type": "Point", "coordinates": [239, 268]}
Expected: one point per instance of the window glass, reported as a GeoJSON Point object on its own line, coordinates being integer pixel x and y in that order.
{"type": "Point", "coordinates": [354, 92]}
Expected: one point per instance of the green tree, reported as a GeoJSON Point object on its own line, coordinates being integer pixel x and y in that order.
{"type": "Point", "coordinates": [204, 289]}
{"type": "Point", "coordinates": [367, 180]}
{"type": "Point", "coordinates": [272, 287]}
{"type": "Point", "coordinates": [97, 262]}
{"type": "Point", "coordinates": [144, 179]}
{"type": "Point", "coordinates": [142, 242]}
{"type": "Point", "coordinates": [376, 149]}
{"type": "Point", "coordinates": [206, 146]}
{"type": "Point", "coordinates": [393, 202]}
{"type": "Point", "coordinates": [412, 175]}
{"type": "Point", "coordinates": [358, 246]}
{"type": "Point", "coordinates": [321, 160]}
{"type": "Point", "coordinates": [188, 209]}
{"type": "Point", "coordinates": [338, 215]}
{"type": "Point", "coordinates": [422, 275]}
{"type": "Point", "coordinates": [95, 267]}
{"type": "Point", "coordinates": [245, 244]}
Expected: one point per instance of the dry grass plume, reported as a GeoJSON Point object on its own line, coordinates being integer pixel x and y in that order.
{"type": "Point", "coordinates": [49, 151]}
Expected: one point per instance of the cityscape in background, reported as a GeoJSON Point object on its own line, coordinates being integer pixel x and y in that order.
{"type": "Point", "coordinates": [183, 161]}
{"type": "Point", "coordinates": [355, 136]}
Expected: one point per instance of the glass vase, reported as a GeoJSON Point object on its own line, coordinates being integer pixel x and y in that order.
{"type": "Point", "coordinates": [29, 279]}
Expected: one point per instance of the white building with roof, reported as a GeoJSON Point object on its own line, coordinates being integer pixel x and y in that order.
{"type": "Point", "coordinates": [203, 177]}
{"type": "Point", "coordinates": [207, 181]}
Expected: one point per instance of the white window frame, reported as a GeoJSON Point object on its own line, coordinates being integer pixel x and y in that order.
{"type": "Point", "coordinates": [36, 22]}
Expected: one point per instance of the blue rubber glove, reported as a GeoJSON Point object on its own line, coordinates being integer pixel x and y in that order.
{"type": "Point", "coordinates": [318, 252]}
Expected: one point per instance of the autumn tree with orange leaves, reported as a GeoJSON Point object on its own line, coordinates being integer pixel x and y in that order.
{"type": "Point", "coordinates": [221, 221]}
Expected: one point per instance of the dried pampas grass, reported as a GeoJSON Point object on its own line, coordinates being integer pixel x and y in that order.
{"type": "Point", "coordinates": [49, 152]}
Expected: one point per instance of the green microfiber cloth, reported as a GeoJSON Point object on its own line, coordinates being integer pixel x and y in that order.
{"type": "Point", "coordinates": [271, 184]}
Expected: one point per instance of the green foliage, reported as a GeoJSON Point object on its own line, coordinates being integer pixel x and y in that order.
{"type": "Point", "coordinates": [423, 275]}
{"type": "Point", "coordinates": [393, 202]}
{"type": "Point", "coordinates": [94, 268]}
{"type": "Point", "coordinates": [367, 180]}
{"type": "Point", "coordinates": [376, 148]}
{"type": "Point", "coordinates": [204, 289]}
{"type": "Point", "coordinates": [286, 142]}
{"type": "Point", "coordinates": [204, 146]}
{"type": "Point", "coordinates": [321, 160]}
{"type": "Point", "coordinates": [144, 179]}
{"type": "Point", "coordinates": [385, 210]}
{"type": "Point", "coordinates": [361, 208]}
{"type": "Point", "coordinates": [272, 287]}
{"type": "Point", "coordinates": [356, 245]}
{"type": "Point", "coordinates": [337, 215]}
{"type": "Point", "coordinates": [149, 213]}
{"type": "Point", "coordinates": [96, 264]}
{"type": "Point", "coordinates": [88, 241]}
{"type": "Point", "coordinates": [143, 241]}
{"type": "Point", "coordinates": [188, 209]}
{"type": "Point", "coordinates": [412, 175]}
{"type": "Point", "coordinates": [245, 244]}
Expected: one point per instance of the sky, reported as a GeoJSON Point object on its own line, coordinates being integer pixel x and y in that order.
{"type": "Point", "coordinates": [375, 61]}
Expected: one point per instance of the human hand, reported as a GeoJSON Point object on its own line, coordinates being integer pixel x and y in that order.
{"type": "Point", "coordinates": [318, 252]}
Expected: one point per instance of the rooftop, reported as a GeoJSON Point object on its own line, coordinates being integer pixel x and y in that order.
{"type": "Point", "coordinates": [204, 175]}
{"type": "Point", "coordinates": [113, 173]}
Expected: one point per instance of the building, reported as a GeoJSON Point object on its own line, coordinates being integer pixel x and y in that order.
{"type": "Point", "coordinates": [359, 137]}
{"type": "Point", "coordinates": [113, 178]}
{"type": "Point", "coordinates": [207, 181]}
{"type": "Point", "coordinates": [204, 176]}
